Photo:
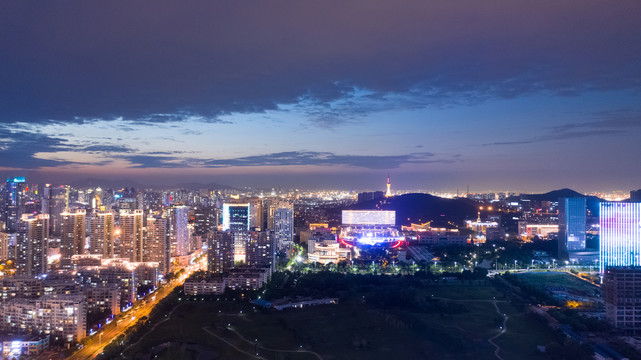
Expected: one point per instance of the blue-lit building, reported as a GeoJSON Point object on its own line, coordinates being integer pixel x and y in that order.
{"type": "Point", "coordinates": [236, 217]}
{"type": "Point", "coordinates": [572, 225]}
{"type": "Point", "coordinates": [284, 228]}
{"type": "Point", "coordinates": [620, 235]}
{"type": "Point", "coordinates": [14, 203]}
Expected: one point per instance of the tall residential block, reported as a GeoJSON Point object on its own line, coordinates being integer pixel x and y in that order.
{"type": "Point", "coordinates": [72, 241]}
{"type": "Point", "coordinates": [101, 236]}
{"type": "Point", "coordinates": [180, 231]}
{"type": "Point", "coordinates": [260, 249]}
{"type": "Point", "coordinates": [32, 245]}
{"type": "Point", "coordinates": [157, 247]}
{"type": "Point", "coordinates": [220, 252]}
{"type": "Point", "coordinates": [54, 201]}
{"type": "Point", "coordinates": [131, 235]}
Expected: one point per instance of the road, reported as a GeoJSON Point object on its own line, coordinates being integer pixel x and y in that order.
{"type": "Point", "coordinates": [141, 308]}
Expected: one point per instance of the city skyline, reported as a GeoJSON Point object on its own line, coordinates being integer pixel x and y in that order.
{"type": "Point", "coordinates": [495, 95]}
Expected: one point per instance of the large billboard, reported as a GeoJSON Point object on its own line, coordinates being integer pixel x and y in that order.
{"type": "Point", "coordinates": [369, 217]}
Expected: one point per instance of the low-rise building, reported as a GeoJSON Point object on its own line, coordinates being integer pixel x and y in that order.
{"type": "Point", "coordinates": [15, 346]}
{"type": "Point", "coordinates": [246, 278]}
{"type": "Point", "coordinates": [204, 285]}
{"type": "Point", "coordinates": [61, 316]}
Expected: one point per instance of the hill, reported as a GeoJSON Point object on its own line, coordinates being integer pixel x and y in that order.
{"type": "Point", "coordinates": [421, 208]}
{"type": "Point", "coordinates": [592, 202]}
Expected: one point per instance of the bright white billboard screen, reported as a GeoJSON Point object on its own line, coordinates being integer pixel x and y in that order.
{"type": "Point", "coordinates": [369, 217]}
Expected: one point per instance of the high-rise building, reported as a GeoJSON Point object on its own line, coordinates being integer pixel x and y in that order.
{"type": "Point", "coordinates": [620, 234]}
{"type": "Point", "coordinates": [255, 213]}
{"type": "Point", "coordinates": [14, 203]}
{"type": "Point", "coordinates": [72, 241]}
{"type": "Point", "coordinates": [260, 249]}
{"type": "Point", "coordinates": [572, 225]}
{"type": "Point", "coordinates": [32, 245]}
{"type": "Point", "coordinates": [205, 220]}
{"type": "Point", "coordinates": [55, 199]}
{"type": "Point", "coordinates": [220, 252]}
{"type": "Point", "coordinates": [236, 217]}
{"type": "Point", "coordinates": [131, 235]}
{"type": "Point", "coordinates": [273, 205]}
{"type": "Point", "coordinates": [4, 246]}
{"type": "Point", "coordinates": [101, 237]}
{"type": "Point", "coordinates": [622, 295]}
{"type": "Point", "coordinates": [157, 247]}
{"type": "Point", "coordinates": [284, 228]}
{"type": "Point", "coordinates": [179, 229]}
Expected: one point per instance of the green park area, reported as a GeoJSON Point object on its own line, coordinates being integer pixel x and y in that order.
{"type": "Point", "coordinates": [376, 318]}
{"type": "Point", "coordinates": [559, 280]}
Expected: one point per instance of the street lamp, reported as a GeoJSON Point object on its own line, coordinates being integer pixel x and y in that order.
{"type": "Point", "coordinates": [514, 265]}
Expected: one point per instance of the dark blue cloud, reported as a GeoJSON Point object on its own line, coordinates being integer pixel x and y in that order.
{"type": "Point", "coordinates": [161, 61]}
{"type": "Point", "coordinates": [602, 123]}
{"type": "Point", "coordinates": [17, 149]}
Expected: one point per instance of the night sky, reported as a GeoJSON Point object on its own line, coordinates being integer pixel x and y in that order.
{"type": "Point", "coordinates": [500, 95]}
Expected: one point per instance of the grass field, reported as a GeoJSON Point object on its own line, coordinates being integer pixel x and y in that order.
{"type": "Point", "coordinates": [574, 285]}
{"type": "Point", "coordinates": [355, 330]}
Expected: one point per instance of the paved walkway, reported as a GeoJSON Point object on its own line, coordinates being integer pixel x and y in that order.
{"type": "Point", "coordinates": [503, 330]}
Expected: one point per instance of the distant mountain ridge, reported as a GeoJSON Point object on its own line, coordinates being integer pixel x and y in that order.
{"type": "Point", "coordinates": [422, 208]}
{"type": "Point", "coordinates": [592, 202]}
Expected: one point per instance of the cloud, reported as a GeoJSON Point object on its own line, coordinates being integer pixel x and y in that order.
{"type": "Point", "coordinates": [611, 122]}
{"type": "Point", "coordinates": [327, 159]}
{"type": "Point", "coordinates": [17, 149]}
{"type": "Point", "coordinates": [164, 61]}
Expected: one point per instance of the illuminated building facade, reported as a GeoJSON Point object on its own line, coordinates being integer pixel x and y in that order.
{"type": "Point", "coordinates": [572, 225]}
{"type": "Point", "coordinates": [32, 245]}
{"type": "Point", "coordinates": [284, 228]}
{"type": "Point", "coordinates": [388, 193]}
{"type": "Point", "coordinates": [620, 235]}
{"type": "Point", "coordinates": [236, 217]}
{"type": "Point", "coordinates": [14, 346]}
{"type": "Point", "coordinates": [14, 203]}
{"type": "Point", "coordinates": [72, 241]}
{"type": "Point", "coordinates": [541, 230]}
